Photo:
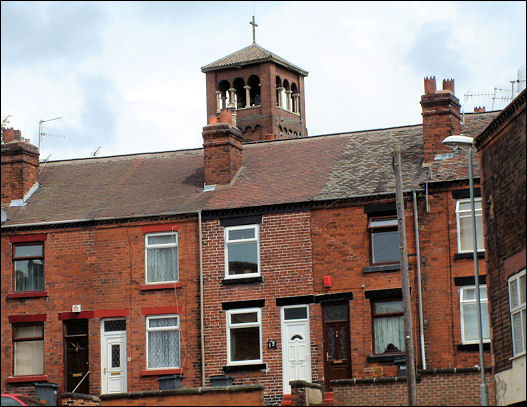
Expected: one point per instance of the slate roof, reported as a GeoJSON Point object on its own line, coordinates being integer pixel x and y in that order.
{"type": "Point", "coordinates": [251, 54]}
{"type": "Point", "coordinates": [318, 168]}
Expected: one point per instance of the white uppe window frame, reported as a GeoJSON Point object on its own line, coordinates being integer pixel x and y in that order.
{"type": "Point", "coordinates": [463, 302]}
{"type": "Point", "coordinates": [467, 213]}
{"type": "Point", "coordinates": [228, 242]}
{"type": "Point", "coordinates": [230, 326]}
{"type": "Point", "coordinates": [162, 246]}
{"type": "Point", "coordinates": [160, 329]}
{"type": "Point", "coordinates": [516, 307]}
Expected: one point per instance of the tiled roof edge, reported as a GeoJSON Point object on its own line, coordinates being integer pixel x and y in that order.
{"type": "Point", "coordinates": [510, 110]}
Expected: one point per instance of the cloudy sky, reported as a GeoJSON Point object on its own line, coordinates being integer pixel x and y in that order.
{"type": "Point", "coordinates": [125, 76]}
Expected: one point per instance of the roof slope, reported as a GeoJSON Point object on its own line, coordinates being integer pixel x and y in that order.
{"type": "Point", "coordinates": [317, 168]}
{"type": "Point", "coordinates": [251, 54]}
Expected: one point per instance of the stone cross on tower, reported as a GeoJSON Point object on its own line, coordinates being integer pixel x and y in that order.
{"type": "Point", "coordinates": [253, 23]}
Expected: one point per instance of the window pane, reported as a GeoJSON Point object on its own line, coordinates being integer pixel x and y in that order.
{"type": "Point", "coordinates": [163, 239]}
{"type": "Point", "coordinates": [162, 322]}
{"type": "Point", "coordinates": [470, 321]}
{"type": "Point", "coordinates": [163, 349]}
{"type": "Point", "coordinates": [295, 313]}
{"type": "Point", "coordinates": [161, 265]}
{"type": "Point", "coordinates": [522, 289]}
{"type": "Point", "coordinates": [386, 307]}
{"type": "Point", "coordinates": [465, 232]}
{"type": "Point", "coordinates": [384, 222]}
{"type": "Point", "coordinates": [243, 258]}
{"type": "Point", "coordinates": [115, 325]}
{"type": "Point", "coordinates": [29, 275]}
{"type": "Point", "coordinates": [513, 291]}
{"type": "Point", "coordinates": [389, 333]}
{"type": "Point", "coordinates": [30, 331]}
{"type": "Point", "coordinates": [29, 358]}
{"type": "Point", "coordinates": [385, 246]}
{"type": "Point", "coordinates": [28, 251]}
{"type": "Point", "coordinates": [243, 318]}
{"type": "Point", "coordinates": [337, 312]}
{"type": "Point", "coordinates": [245, 344]}
{"type": "Point", "coordinates": [469, 294]}
{"type": "Point", "coordinates": [517, 333]}
{"type": "Point", "coordinates": [116, 355]}
{"type": "Point", "coordinates": [241, 234]}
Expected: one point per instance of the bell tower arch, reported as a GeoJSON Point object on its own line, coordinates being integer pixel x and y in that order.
{"type": "Point", "coordinates": [265, 90]}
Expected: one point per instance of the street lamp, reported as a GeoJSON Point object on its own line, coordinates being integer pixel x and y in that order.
{"type": "Point", "coordinates": [460, 141]}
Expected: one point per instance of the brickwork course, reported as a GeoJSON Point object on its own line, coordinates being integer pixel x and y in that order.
{"type": "Point", "coordinates": [312, 199]}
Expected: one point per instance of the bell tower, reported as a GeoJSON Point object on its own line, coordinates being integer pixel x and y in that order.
{"type": "Point", "coordinates": [265, 91]}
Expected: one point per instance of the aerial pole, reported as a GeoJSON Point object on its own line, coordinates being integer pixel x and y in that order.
{"type": "Point", "coordinates": [409, 343]}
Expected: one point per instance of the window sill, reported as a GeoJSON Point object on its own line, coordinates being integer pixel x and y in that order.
{"type": "Point", "coordinates": [160, 286]}
{"type": "Point", "coordinates": [238, 368]}
{"type": "Point", "coordinates": [28, 294]}
{"type": "Point", "coordinates": [469, 255]}
{"type": "Point", "coordinates": [245, 280]}
{"type": "Point", "coordinates": [519, 355]}
{"type": "Point", "coordinates": [27, 379]}
{"type": "Point", "coordinates": [472, 346]}
{"type": "Point", "coordinates": [386, 357]}
{"type": "Point", "coordinates": [160, 372]}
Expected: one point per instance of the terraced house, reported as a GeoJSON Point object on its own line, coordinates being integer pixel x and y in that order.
{"type": "Point", "coordinates": [267, 255]}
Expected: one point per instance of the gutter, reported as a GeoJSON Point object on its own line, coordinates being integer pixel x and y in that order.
{"type": "Point", "coordinates": [419, 290]}
{"type": "Point", "coordinates": [201, 316]}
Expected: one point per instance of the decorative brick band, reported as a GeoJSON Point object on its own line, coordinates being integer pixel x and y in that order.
{"type": "Point", "coordinates": [41, 237]}
{"type": "Point", "coordinates": [28, 294]}
{"type": "Point", "coordinates": [160, 372]}
{"type": "Point", "coordinates": [163, 286]}
{"type": "Point", "coordinates": [167, 227]}
{"type": "Point", "coordinates": [174, 309]}
{"type": "Point", "coordinates": [13, 319]}
{"type": "Point", "coordinates": [27, 379]}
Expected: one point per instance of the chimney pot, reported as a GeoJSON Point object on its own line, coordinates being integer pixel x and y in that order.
{"type": "Point", "coordinates": [479, 109]}
{"type": "Point", "coordinates": [430, 85]}
{"type": "Point", "coordinates": [448, 84]}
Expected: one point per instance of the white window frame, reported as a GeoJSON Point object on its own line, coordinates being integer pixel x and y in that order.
{"type": "Point", "coordinates": [230, 326]}
{"type": "Point", "coordinates": [518, 309]}
{"type": "Point", "coordinates": [162, 246]}
{"type": "Point", "coordinates": [468, 213]}
{"type": "Point", "coordinates": [462, 302]}
{"type": "Point", "coordinates": [256, 239]}
{"type": "Point", "coordinates": [163, 328]}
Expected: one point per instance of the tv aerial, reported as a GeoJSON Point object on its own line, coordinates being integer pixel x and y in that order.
{"type": "Point", "coordinates": [42, 134]}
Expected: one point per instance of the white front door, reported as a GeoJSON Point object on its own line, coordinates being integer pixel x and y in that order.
{"type": "Point", "coordinates": [296, 353]}
{"type": "Point", "coordinates": [113, 356]}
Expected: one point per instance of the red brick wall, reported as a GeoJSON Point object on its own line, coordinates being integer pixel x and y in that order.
{"type": "Point", "coordinates": [454, 389]}
{"type": "Point", "coordinates": [285, 259]}
{"type": "Point", "coordinates": [102, 268]}
{"type": "Point", "coordinates": [503, 176]}
{"type": "Point", "coordinates": [211, 397]}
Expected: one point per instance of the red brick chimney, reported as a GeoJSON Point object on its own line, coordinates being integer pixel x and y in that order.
{"type": "Point", "coordinates": [441, 116]}
{"type": "Point", "coordinates": [19, 166]}
{"type": "Point", "coordinates": [222, 148]}
{"type": "Point", "coordinates": [479, 109]}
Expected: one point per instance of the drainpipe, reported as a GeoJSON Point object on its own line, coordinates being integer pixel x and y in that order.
{"type": "Point", "coordinates": [201, 318]}
{"type": "Point", "coordinates": [419, 292]}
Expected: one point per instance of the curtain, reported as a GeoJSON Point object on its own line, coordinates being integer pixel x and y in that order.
{"type": "Point", "coordinates": [162, 264]}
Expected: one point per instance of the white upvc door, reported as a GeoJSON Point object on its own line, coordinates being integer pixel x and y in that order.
{"type": "Point", "coordinates": [296, 353]}
{"type": "Point", "coordinates": [113, 361]}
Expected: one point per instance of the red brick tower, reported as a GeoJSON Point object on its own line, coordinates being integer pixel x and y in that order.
{"type": "Point", "coordinates": [266, 91]}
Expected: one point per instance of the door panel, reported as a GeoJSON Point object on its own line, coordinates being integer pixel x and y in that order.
{"type": "Point", "coordinates": [337, 360]}
{"type": "Point", "coordinates": [113, 359]}
{"type": "Point", "coordinates": [296, 351]}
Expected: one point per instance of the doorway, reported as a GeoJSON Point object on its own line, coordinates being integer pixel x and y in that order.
{"type": "Point", "coordinates": [76, 356]}
{"type": "Point", "coordinates": [113, 356]}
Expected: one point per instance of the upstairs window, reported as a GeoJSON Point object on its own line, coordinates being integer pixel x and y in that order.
{"type": "Point", "coordinates": [465, 238]}
{"type": "Point", "coordinates": [28, 346]}
{"type": "Point", "coordinates": [161, 257]}
{"type": "Point", "coordinates": [388, 326]}
{"type": "Point", "coordinates": [384, 239]}
{"type": "Point", "coordinates": [469, 314]}
{"type": "Point", "coordinates": [28, 262]}
{"type": "Point", "coordinates": [242, 253]}
{"type": "Point", "coordinates": [517, 309]}
{"type": "Point", "coordinates": [244, 336]}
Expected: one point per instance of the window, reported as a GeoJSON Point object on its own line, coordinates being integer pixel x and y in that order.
{"type": "Point", "coordinates": [469, 314]}
{"type": "Point", "coordinates": [517, 307]}
{"type": "Point", "coordinates": [384, 239]}
{"type": "Point", "coordinates": [28, 261]}
{"type": "Point", "coordinates": [28, 345]}
{"type": "Point", "coordinates": [388, 326]}
{"type": "Point", "coordinates": [162, 341]}
{"type": "Point", "coordinates": [244, 336]}
{"type": "Point", "coordinates": [242, 251]}
{"type": "Point", "coordinates": [161, 257]}
{"type": "Point", "coordinates": [465, 238]}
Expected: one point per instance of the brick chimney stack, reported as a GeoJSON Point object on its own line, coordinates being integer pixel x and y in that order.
{"type": "Point", "coordinates": [441, 117]}
{"type": "Point", "coordinates": [479, 109]}
{"type": "Point", "coordinates": [20, 161]}
{"type": "Point", "coordinates": [222, 148]}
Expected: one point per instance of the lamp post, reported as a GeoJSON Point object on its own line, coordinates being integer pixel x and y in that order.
{"type": "Point", "coordinates": [459, 141]}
